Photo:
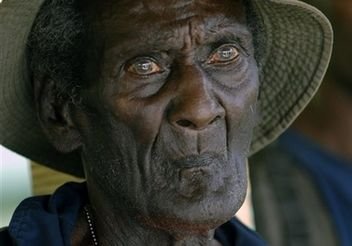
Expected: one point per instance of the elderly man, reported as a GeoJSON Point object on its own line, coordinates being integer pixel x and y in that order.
{"type": "Point", "coordinates": [155, 103]}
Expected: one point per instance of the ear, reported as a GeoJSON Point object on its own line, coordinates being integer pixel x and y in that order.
{"type": "Point", "coordinates": [55, 116]}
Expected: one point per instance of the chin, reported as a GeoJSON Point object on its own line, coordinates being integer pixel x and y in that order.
{"type": "Point", "coordinates": [198, 202]}
{"type": "Point", "coordinates": [195, 219]}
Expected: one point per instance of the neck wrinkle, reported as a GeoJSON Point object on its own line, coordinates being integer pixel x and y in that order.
{"type": "Point", "coordinates": [116, 227]}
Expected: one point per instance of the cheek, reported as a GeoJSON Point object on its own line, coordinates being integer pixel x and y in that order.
{"type": "Point", "coordinates": [241, 116]}
{"type": "Point", "coordinates": [247, 95]}
{"type": "Point", "coordinates": [141, 116]}
{"type": "Point", "coordinates": [110, 159]}
{"type": "Point", "coordinates": [240, 99]}
{"type": "Point", "coordinates": [105, 139]}
{"type": "Point", "coordinates": [244, 102]}
{"type": "Point", "coordinates": [240, 103]}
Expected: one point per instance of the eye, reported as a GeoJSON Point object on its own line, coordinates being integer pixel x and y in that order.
{"type": "Point", "coordinates": [144, 66]}
{"type": "Point", "coordinates": [224, 54]}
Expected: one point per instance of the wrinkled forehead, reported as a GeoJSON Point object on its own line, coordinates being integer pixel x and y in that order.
{"type": "Point", "coordinates": [136, 18]}
{"type": "Point", "coordinates": [169, 9]}
{"type": "Point", "coordinates": [129, 13]}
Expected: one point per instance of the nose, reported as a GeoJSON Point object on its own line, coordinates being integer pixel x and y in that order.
{"type": "Point", "coordinates": [196, 116]}
{"type": "Point", "coordinates": [194, 107]}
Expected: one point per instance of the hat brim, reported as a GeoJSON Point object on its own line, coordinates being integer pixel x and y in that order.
{"type": "Point", "coordinates": [296, 47]}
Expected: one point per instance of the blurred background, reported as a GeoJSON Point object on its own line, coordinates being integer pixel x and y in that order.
{"type": "Point", "coordinates": [20, 178]}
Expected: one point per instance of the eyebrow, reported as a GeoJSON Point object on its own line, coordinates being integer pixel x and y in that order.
{"type": "Point", "coordinates": [238, 32]}
{"type": "Point", "coordinates": [218, 33]}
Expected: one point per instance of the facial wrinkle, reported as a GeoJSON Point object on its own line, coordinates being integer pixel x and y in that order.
{"type": "Point", "coordinates": [187, 36]}
{"type": "Point", "coordinates": [171, 5]}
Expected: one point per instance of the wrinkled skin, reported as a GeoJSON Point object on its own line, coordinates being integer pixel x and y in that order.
{"type": "Point", "coordinates": [166, 119]}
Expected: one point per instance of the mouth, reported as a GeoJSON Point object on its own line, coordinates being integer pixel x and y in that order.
{"type": "Point", "coordinates": [200, 175]}
{"type": "Point", "coordinates": [203, 160]}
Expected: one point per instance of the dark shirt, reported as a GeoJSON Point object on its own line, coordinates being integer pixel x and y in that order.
{"type": "Point", "coordinates": [50, 220]}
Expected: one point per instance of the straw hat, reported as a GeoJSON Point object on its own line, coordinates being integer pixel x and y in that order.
{"type": "Point", "coordinates": [297, 43]}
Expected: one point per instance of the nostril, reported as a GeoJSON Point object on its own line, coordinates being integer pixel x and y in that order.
{"type": "Point", "coordinates": [190, 124]}
{"type": "Point", "coordinates": [215, 119]}
{"type": "Point", "coordinates": [184, 123]}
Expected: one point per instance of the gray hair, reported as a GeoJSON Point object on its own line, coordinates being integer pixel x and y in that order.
{"type": "Point", "coordinates": [55, 45]}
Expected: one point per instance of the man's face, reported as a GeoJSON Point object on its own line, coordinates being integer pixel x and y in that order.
{"type": "Point", "coordinates": [167, 124]}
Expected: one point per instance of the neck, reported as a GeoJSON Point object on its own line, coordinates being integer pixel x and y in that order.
{"type": "Point", "coordinates": [114, 226]}
{"type": "Point", "coordinates": [330, 121]}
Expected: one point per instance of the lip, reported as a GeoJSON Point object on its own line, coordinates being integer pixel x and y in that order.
{"type": "Point", "coordinates": [201, 175]}
{"type": "Point", "coordinates": [197, 183]}
{"type": "Point", "coordinates": [197, 161]}
{"type": "Point", "coordinates": [193, 182]}
{"type": "Point", "coordinates": [193, 172]}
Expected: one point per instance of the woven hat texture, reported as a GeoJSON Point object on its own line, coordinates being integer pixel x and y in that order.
{"type": "Point", "coordinates": [296, 43]}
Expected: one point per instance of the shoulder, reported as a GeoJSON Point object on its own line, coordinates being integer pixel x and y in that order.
{"type": "Point", "coordinates": [47, 220]}
{"type": "Point", "coordinates": [234, 233]}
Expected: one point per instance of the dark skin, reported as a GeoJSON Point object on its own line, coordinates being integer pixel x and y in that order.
{"type": "Point", "coordinates": [164, 127]}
